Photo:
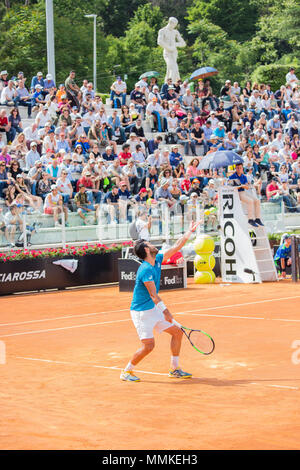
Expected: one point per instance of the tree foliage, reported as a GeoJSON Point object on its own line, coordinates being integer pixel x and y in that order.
{"type": "Point", "coordinates": [238, 37]}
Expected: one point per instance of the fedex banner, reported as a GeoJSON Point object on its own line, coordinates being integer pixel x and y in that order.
{"type": "Point", "coordinates": [237, 252]}
{"type": "Point", "coordinates": [172, 277]}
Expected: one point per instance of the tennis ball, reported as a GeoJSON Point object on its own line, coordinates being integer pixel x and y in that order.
{"type": "Point", "coordinates": [204, 244]}
{"type": "Point", "coordinates": [204, 262]}
{"type": "Point", "coordinates": [204, 277]}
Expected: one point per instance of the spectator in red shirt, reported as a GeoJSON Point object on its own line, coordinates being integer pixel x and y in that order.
{"type": "Point", "coordinates": [273, 191]}
{"type": "Point", "coordinates": [89, 184]}
{"type": "Point", "coordinates": [124, 155]}
{"type": "Point", "coordinates": [4, 124]}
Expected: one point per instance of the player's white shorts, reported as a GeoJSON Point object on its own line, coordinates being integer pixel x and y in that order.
{"type": "Point", "coordinates": [146, 321]}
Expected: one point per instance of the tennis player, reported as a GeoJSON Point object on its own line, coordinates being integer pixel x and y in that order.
{"type": "Point", "coordinates": [148, 312]}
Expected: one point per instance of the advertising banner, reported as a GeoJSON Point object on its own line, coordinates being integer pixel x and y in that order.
{"type": "Point", "coordinates": [237, 254]}
{"type": "Point", "coordinates": [172, 277]}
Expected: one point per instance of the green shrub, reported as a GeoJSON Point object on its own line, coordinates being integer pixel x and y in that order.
{"type": "Point", "coordinates": [273, 74]}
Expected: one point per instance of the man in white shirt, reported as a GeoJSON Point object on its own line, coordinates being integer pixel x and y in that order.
{"type": "Point", "coordinates": [153, 114]}
{"type": "Point", "coordinates": [118, 89]}
{"type": "Point", "coordinates": [130, 171]}
{"type": "Point", "coordinates": [154, 159]}
{"type": "Point", "coordinates": [291, 77]}
{"type": "Point", "coordinates": [42, 117]}
{"type": "Point", "coordinates": [31, 134]}
{"type": "Point", "coordinates": [8, 94]}
{"type": "Point", "coordinates": [255, 103]}
{"type": "Point", "coordinates": [278, 142]}
{"type": "Point", "coordinates": [32, 156]}
{"type": "Point", "coordinates": [143, 225]}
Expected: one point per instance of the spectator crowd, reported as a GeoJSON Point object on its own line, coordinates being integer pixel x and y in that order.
{"type": "Point", "coordinates": [75, 156]}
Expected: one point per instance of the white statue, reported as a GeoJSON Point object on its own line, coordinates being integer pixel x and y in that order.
{"type": "Point", "coordinates": [169, 39]}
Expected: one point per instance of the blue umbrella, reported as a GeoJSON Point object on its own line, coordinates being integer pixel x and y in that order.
{"type": "Point", "coordinates": [203, 72]}
{"type": "Point", "coordinates": [220, 159]}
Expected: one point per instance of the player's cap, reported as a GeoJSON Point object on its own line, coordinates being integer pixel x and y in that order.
{"type": "Point", "coordinates": [286, 236]}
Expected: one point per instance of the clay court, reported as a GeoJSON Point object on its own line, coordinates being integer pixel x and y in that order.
{"type": "Point", "coordinates": [64, 352]}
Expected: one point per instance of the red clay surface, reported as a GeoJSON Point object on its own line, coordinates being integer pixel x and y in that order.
{"type": "Point", "coordinates": [61, 388]}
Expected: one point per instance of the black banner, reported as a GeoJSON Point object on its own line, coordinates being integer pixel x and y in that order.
{"type": "Point", "coordinates": [172, 277]}
{"type": "Point", "coordinates": [41, 274]}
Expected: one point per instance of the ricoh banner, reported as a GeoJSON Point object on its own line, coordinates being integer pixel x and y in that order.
{"type": "Point", "coordinates": [236, 246]}
{"type": "Point", "coordinates": [172, 277]}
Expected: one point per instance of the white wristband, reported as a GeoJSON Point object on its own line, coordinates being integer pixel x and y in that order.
{"type": "Point", "coordinates": [161, 306]}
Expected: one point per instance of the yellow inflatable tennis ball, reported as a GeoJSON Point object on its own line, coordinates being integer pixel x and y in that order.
{"type": "Point", "coordinates": [204, 262]}
{"type": "Point", "coordinates": [204, 244]}
{"type": "Point", "coordinates": [204, 277]}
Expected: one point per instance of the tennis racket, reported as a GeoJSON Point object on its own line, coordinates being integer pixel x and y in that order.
{"type": "Point", "coordinates": [201, 341]}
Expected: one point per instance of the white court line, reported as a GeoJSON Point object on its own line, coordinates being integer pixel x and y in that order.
{"type": "Point", "coordinates": [63, 317]}
{"type": "Point", "coordinates": [138, 371]}
{"type": "Point", "coordinates": [87, 365]}
{"type": "Point", "coordinates": [188, 312]}
{"type": "Point", "coordinates": [169, 303]}
{"type": "Point", "coordinates": [289, 387]}
{"type": "Point", "coordinates": [63, 328]}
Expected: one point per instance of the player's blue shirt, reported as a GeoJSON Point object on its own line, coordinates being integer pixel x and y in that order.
{"type": "Point", "coordinates": [141, 299]}
{"type": "Point", "coordinates": [242, 178]}
{"type": "Point", "coordinates": [283, 252]}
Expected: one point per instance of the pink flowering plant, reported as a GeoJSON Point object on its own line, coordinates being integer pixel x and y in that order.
{"type": "Point", "coordinates": [96, 249]}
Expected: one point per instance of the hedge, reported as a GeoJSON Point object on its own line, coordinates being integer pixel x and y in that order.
{"type": "Point", "coordinates": [273, 74]}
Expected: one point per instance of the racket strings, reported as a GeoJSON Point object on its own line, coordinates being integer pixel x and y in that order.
{"type": "Point", "coordinates": [201, 341]}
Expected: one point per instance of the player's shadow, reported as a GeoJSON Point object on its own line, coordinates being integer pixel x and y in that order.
{"type": "Point", "coordinates": [226, 383]}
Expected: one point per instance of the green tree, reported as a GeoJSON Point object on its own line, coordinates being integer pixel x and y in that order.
{"type": "Point", "coordinates": [236, 17]}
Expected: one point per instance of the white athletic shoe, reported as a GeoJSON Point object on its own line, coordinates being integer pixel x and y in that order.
{"type": "Point", "coordinates": [129, 376]}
